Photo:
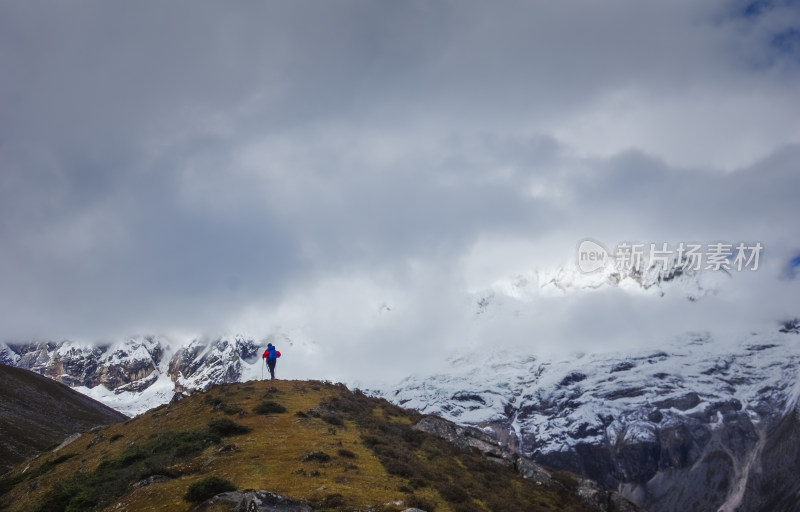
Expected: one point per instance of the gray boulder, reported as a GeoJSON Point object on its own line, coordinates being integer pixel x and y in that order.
{"type": "Point", "coordinates": [256, 501]}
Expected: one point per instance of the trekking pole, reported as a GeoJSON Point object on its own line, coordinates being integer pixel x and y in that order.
{"type": "Point", "coordinates": [262, 368]}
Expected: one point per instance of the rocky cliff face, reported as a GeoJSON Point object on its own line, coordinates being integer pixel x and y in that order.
{"type": "Point", "coordinates": [124, 366]}
{"type": "Point", "coordinates": [203, 363]}
{"type": "Point", "coordinates": [701, 424]}
{"type": "Point", "coordinates": [773, 482]}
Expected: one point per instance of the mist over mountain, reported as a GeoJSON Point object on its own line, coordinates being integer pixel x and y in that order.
{"type": "Point", "coordinates": [662, 421]}
{"type": "Point", "coordinates": [262, 181]}
{"type": "Point", "coordinates": [622, 308]}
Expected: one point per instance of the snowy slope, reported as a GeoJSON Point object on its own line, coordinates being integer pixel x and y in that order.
{"type": "Point", "coordinates": [662, 426]}
{"type": "Point", "coordinates": [552, 404]}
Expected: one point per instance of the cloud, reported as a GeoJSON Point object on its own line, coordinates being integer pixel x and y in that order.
{"type": "Point", "coordinates": [297, 167]}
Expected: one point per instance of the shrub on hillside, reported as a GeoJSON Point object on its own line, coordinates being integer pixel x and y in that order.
{"type": "Point", "coordinates": [333, 419]}
{"type": "Point", "coordinates": [269, 407]}
{"type": "Point", "coordinates": [317, 457]}
{"type": "Point", "coordinates": [413, 501]}
{"type": "Point", "coordinates": [208, 488]}
{"type": "Point", "coordinates": [344, 452]}
{"type": "Point", "coordinates": [223, 427]}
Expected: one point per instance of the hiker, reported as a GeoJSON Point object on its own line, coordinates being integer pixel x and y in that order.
{"type": "Point", "coordinates": [271, 355]}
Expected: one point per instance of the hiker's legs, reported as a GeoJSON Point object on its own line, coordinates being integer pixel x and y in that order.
{"type": "Point", "coordinates": [271, 365]}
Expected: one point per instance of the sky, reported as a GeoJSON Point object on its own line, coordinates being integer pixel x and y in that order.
{"type": "Point", "coordinates": [350, 175]}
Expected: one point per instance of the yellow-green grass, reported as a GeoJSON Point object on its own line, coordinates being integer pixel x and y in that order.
{"type": "Point", "coordinates": [269, 457]}
{"type": "Point", "coordinates": [376, 458]}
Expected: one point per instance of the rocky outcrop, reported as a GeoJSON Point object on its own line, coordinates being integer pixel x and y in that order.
{"type": "Point", "coordinates": [602, 499]}
{"type": "Point", "coordinates": [467, 438]}
{"type": "Point", "coordinates": [254, 501]}
{"type": "Point", "coordinates": [471, 438]}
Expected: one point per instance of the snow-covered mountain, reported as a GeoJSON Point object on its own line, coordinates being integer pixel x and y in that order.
{"type": "Point", "coordinates": [136, 374]}
{"type": "Point", "coordinates": [693, 425]}
{"type": "Point", "coordinates": [657, 279]}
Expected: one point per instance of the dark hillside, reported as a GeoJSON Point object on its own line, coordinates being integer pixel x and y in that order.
{"type": "Point", "coordinates": [37, 413]}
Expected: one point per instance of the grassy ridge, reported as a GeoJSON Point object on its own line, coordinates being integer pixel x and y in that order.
{"type": "Point", "coordinates": [318, 442]}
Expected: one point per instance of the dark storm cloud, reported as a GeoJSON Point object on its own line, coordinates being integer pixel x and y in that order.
{"type": "Point", "coordinates": [173, 165]}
